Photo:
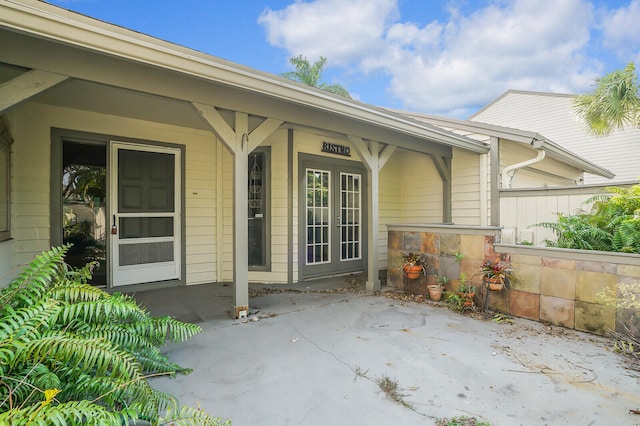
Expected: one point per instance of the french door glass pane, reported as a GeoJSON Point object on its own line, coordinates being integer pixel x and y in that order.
{"type": "Point", "coordinates": [318, 220]}
{"type": "Point", "coordinates": [350, 238]}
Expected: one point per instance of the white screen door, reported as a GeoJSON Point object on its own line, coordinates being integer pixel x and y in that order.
{"type": "Point", "coordinates": [145, 213]}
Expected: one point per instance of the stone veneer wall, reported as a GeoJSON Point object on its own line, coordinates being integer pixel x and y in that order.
{"type": "Point", "coordinates": [440, 243]}
{"type": "Point", "coordinates": [559, 286]}
{"type": "Point", "coordinates": [564, 287]}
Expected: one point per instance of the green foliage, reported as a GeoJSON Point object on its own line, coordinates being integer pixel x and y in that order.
{"type": "Point", "coordinates": [73, 354]}
{"type": "Point", "coordinates": [463, 299]}
{"type": "Point", "coordinates": [612, 225]}
{"type": "Point", "coordinates": [311, 74]}
{"type": "Point", "coordinates": [462, 421]}
{"type": "Point", "coordinates": [613, 103]}
{"type": "Point", "coordinates": [577, 232]}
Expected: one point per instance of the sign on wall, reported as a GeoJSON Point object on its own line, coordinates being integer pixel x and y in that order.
{"type": "Point", "coordinates": [333, 148]}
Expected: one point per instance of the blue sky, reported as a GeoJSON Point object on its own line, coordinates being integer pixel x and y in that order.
{"type": "Point", "coordinates": [445, 57]}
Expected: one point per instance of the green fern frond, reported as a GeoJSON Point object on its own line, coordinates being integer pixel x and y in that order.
{"type": "Point", "coordinates": [153, 361]}
{"type": "Point", "coordinates": [95, 355]}
{"type": "Point", "coordinates": [103, 310]}
{"type": "Point", "coordinates": [34, 280]}
{"type": "Point", "coordinates": [123, 335]}
{"type": "Point", "coordinates": [68, 414]}
{"type": "Point", "coordinates": [153, 406]}
{"type": "Point", "coordinates": [26, 323]}
{"type": "Point", "coordinates": [74, 292]}
{"type": "Point", "coordinates": [175, 330]}
{"type": "Point", "coordinates": [189, 416]}
{"type": "Point", "coordinates": [627, 236]}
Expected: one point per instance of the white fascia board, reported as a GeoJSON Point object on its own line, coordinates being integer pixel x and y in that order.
{"type": "Point", "coordinates": [536, 140]}
{"type": "Point", "coordinates": [561, 154]}
{"type": "Point", "coordinates": [51, 22]}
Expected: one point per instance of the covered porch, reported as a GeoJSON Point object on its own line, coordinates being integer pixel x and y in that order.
{"type": "Point", "coordinates": [68, 81]}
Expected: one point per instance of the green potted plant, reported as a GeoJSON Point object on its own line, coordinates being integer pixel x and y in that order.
{"type": "Point", "coordinates": [463, 299]}
{"type": "Point", "coordinates": [496, 274]}
{"type": "Point", "coordinates": [414, 264]}
{"type": "Point", "coordinates": [436, 290]}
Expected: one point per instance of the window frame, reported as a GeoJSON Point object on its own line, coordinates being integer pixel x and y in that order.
{"type": "Point", "coordinates": [266, 188]}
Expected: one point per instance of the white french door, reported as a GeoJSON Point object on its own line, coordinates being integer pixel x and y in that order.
{"type": "Point", "coordinates": [145, 213]}
{"type": "Point", "coordinates": [332, 234]}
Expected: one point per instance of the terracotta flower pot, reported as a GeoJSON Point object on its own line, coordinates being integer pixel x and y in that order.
{"type": "Point", "coordinates": [412, 272]}
{"type": "Point", "coordinates": [468, 299]}
{"type": "Point", "coordinates": [495, 284]}
{"type": "Point", "coordinates": [435, 292]}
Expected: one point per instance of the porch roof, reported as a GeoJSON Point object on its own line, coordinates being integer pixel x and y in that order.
{"type": "Point", "coordinates": [54, 24]}
{"type": "Point", "coordinates": [536, 140]}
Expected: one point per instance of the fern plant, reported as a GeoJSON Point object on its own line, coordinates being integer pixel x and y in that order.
{"type": "Point", "coordinates": [73, 354]}
{"type": "Point", "coordinates": [613, 224]}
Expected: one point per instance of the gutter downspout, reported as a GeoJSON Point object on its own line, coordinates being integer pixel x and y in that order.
{"type": "Point", "coordinates": [509, 172]}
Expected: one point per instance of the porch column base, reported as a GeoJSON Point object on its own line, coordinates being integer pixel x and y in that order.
{"type": "Point", "coordinates": [241, 311]}
{"type": "Point", "coordinates": [373, 285]}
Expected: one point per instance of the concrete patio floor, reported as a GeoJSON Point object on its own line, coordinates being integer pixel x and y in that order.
{"type": "Point", "coordinates": [309, 357]}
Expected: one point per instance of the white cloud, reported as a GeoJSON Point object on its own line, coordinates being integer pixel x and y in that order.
{"type": "Point", "coordinates": [344, 31]}
{"type": "Point", "coordinates": [447, 67]}
{"type": "Point", "coordinates": [622, 33]}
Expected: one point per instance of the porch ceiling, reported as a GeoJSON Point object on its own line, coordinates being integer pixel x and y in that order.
{"type": "Point", "coordinates": [103, 99]}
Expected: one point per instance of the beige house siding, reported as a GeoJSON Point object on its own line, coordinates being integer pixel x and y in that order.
{"type": "Point", "coordinates": [552, 115]}
{"type": "Point", "coordinates": [390, 199]}
{"type": "Point", "coordinates": [31, 129]}
{"type": "Point", "coordinates": [421, 189]}
{"type": "Point", "coordinates": [465, 190]}
{"type": "Point", "coordinates": [7, 262]}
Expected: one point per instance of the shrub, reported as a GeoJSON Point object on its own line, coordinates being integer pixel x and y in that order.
{"type": "Point", "coordinates": [613, 224]}
{"type": "Point", "coordinates": [73, 354]}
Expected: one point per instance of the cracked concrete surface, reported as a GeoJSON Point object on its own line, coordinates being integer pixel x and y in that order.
{"type": "Point", "coordinates": [301, 362]}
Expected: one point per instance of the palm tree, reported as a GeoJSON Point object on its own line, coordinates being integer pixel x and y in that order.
{"type": "Point", "coordinates": [613, 104]}
{"type": "Point", "coordinates": [310, 74]}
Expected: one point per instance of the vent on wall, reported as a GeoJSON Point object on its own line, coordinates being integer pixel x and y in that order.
{"type": "Point", "coordinates": [508, 236]}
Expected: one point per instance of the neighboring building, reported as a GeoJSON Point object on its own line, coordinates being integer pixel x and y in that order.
{"type": "Point", "coordinates": [553, 116]}
{"type": "Point", "coordinates": [518, 173]}
{"type": "Point", "coordinates": [172, 167]}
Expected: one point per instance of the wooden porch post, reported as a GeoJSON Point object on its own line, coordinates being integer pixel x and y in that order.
{"type": "Point", "coordinates": [240, 143]}
{"type": "Point", "coordinates": [374, 159]}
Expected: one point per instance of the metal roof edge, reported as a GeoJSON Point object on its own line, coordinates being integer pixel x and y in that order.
{"type": "Point", "coordinates": [532, 138]}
